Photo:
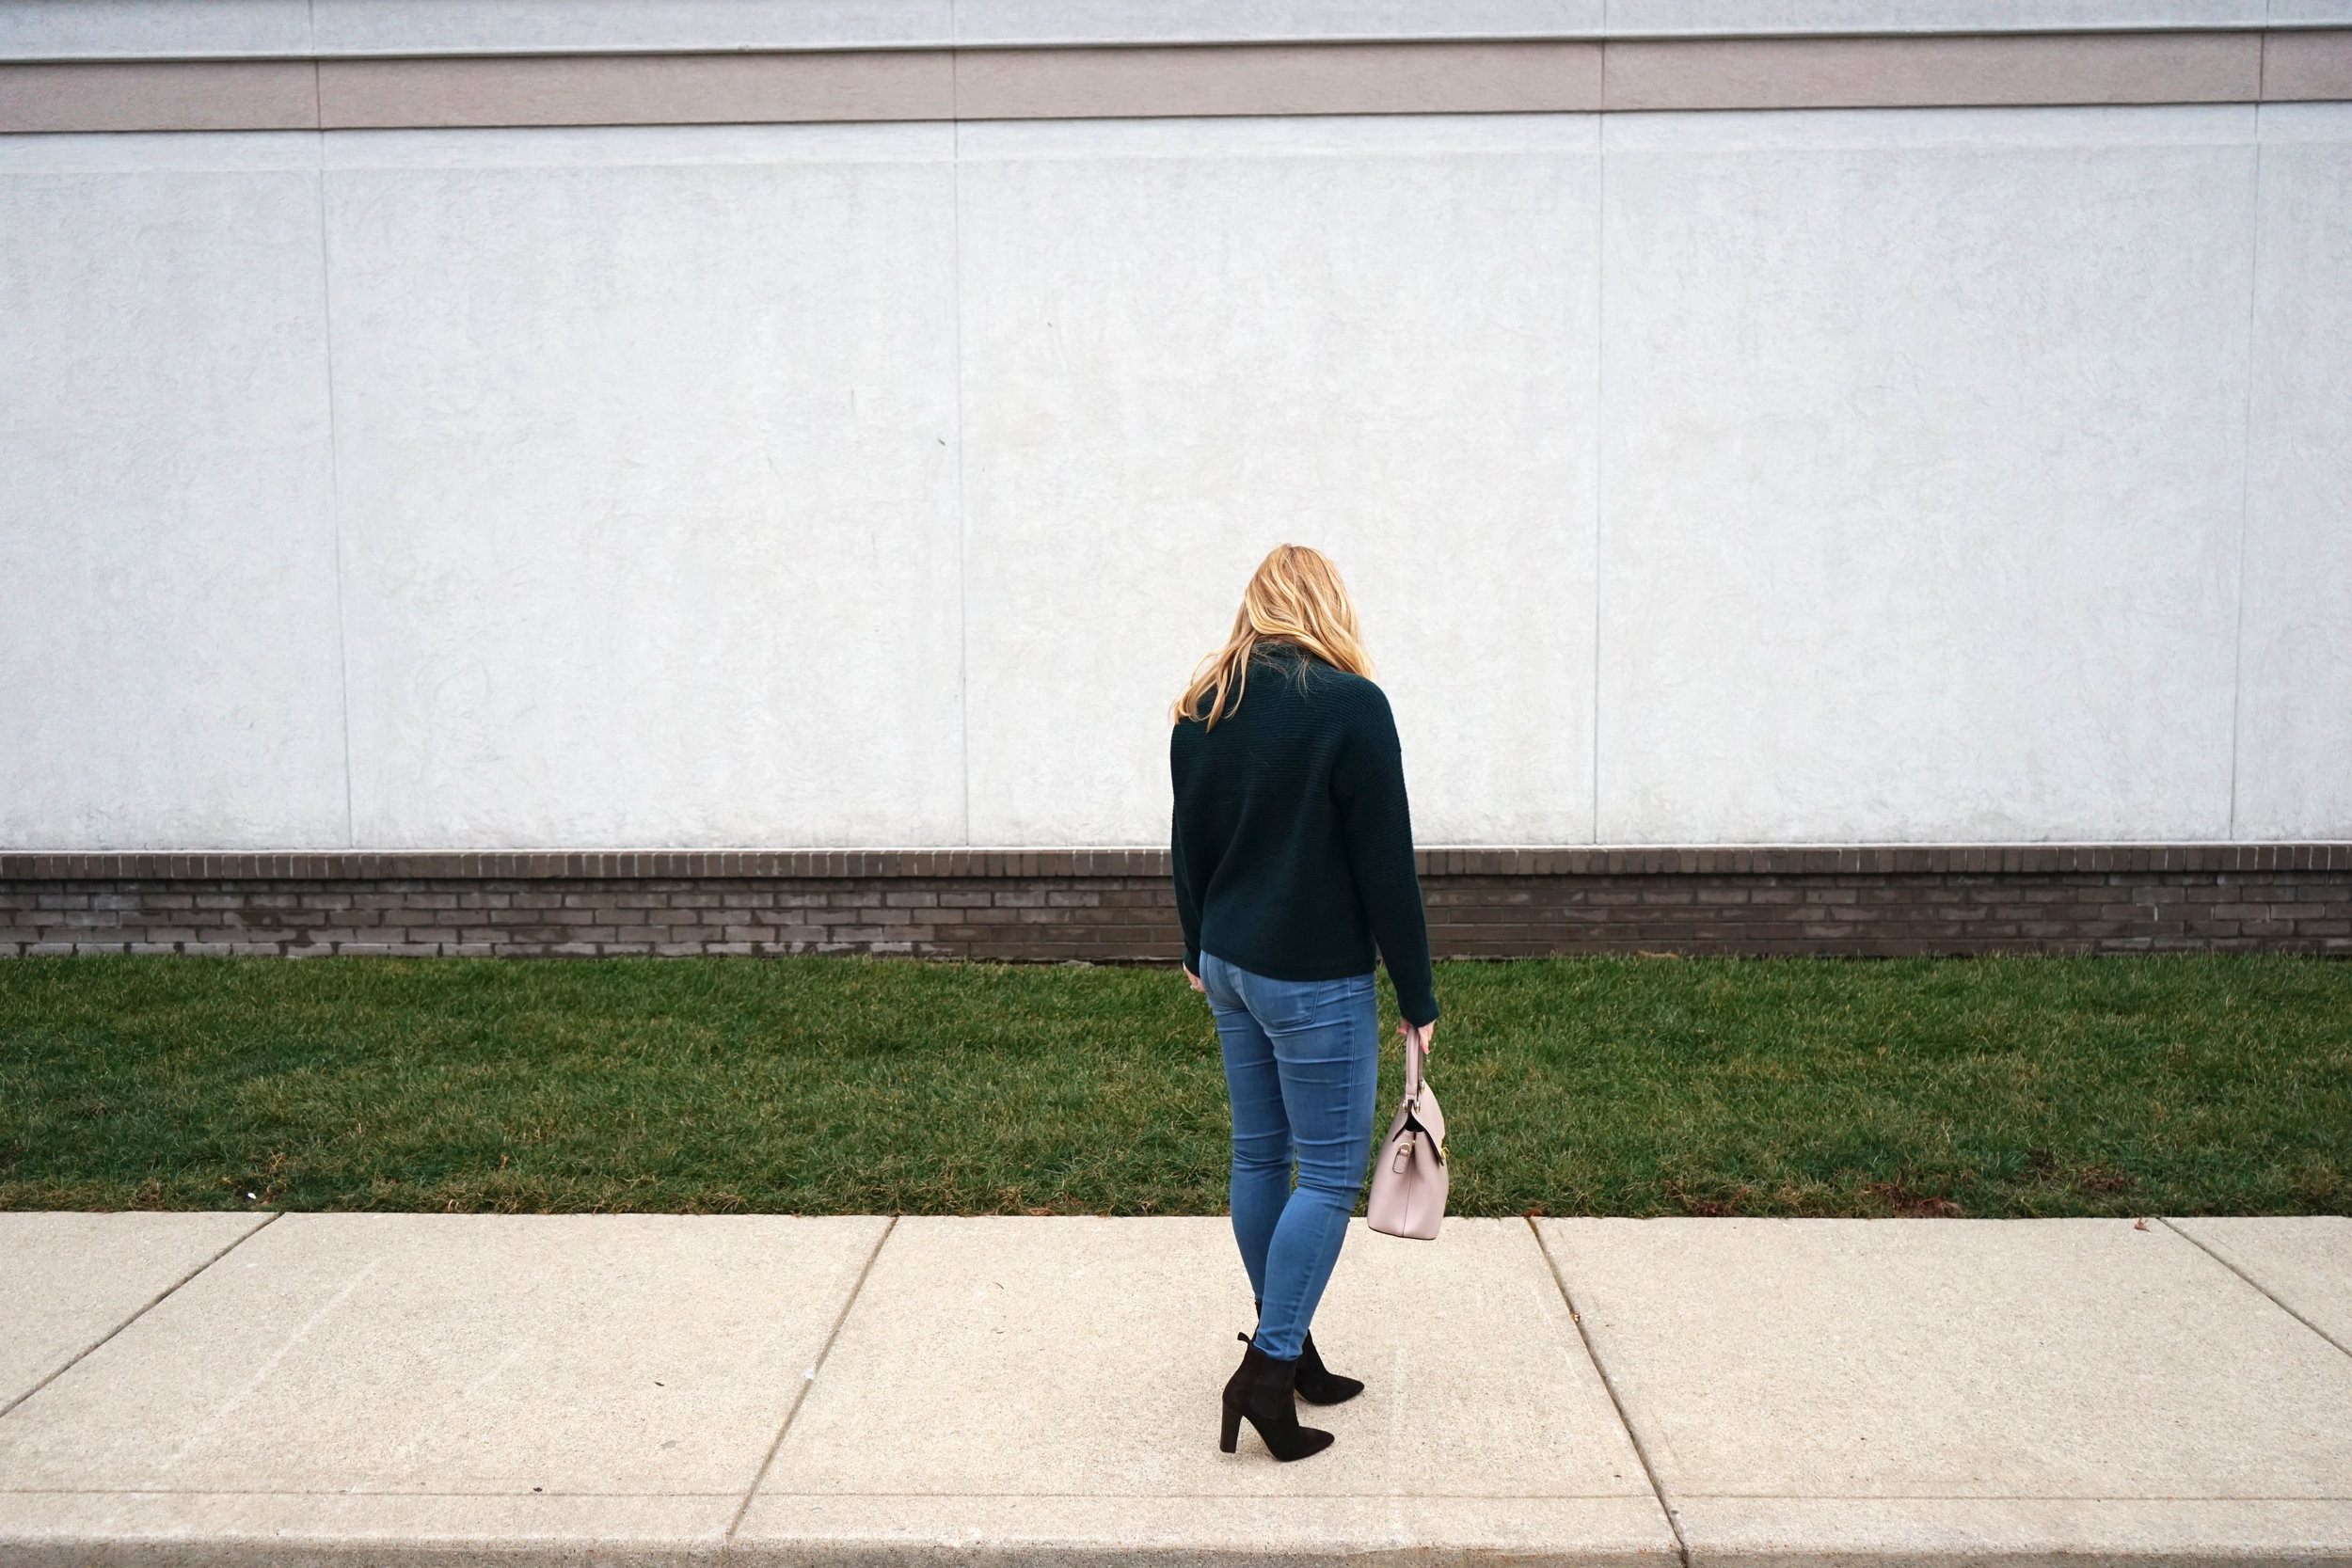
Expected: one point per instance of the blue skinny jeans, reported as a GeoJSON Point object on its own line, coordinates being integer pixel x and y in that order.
{"type": "Point", "coordinates": [1302, 1060]}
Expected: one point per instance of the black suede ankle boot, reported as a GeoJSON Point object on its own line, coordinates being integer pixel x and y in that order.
{"type": "Point", "coordinates": [1317, 1383]}
{"type": "Point", "coordinates": [1261, 1392]}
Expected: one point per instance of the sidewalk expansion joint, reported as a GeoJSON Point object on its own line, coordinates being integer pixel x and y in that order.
{"type": "Point", "coordinates": [92, 1348]}
{"type": "Point", "coordinates": [2255, 1283]}
{"type": "Point", "coordinates": [1649, 1471]}
{"type": "Point", "coordinates": [808, 1380]}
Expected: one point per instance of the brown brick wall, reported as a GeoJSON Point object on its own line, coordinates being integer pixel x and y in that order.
{"type": "Point", "coordinates": [1114, 905]}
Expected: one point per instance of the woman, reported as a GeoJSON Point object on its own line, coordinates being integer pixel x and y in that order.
{"type": "Point", "coordinates": [1294, 857]}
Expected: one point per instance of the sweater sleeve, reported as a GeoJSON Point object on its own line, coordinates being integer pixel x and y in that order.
{"type": "Point", "coordinates": [1368, 783]}
{"type": "Point", "coordinates": [1187, 901]}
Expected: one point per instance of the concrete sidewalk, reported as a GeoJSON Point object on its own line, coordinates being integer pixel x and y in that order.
{"type": "Point", "coordinates": [239, 1390]}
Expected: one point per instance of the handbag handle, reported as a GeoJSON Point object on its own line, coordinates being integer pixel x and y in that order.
{"type": "Point", "coordinates": [1413, 1054]}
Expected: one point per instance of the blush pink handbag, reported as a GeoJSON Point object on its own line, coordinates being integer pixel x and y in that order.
{"type": "Point", "coordinates": [1409, 1181]}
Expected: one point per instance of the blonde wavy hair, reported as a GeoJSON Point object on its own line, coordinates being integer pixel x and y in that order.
{"type": "Point", "coordinates": [1295, 596]}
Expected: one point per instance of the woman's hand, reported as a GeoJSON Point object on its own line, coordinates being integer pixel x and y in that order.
{"type": "Point", "coordinates": [1424, 1032]}
{"type": "Point", "coordinates": [1194, 980]}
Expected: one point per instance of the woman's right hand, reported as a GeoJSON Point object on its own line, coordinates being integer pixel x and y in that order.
{"type": "Point", "coordinates": [1424, 1032]}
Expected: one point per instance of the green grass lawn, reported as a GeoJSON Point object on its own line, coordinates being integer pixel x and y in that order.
{"type": "Point", "coordinates": [1984, 1087]}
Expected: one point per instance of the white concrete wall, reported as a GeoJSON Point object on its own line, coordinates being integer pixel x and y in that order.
{"type": "Point", "coordinates": [1810, 477]}
{"type": "Point", "coordinates": [169, 636]}
{"type": "Point", "coordinates": [2294, 711]}
{"type": "Point", "coordinates": [1184, 342]}
{"type": "Point", "coordinates": [1924, 459]}
{"type": "Point", "coordinates": [646, 451]}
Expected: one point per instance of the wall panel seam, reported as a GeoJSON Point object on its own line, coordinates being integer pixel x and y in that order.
{"type": "Point", "coordinates": [2246, 472]}
{"type": "Point", "coordinates": [963, 521]}
{"type": "Point", "coordinates": [335, 492]}
{"type": "Point", "coordinates": [1601, 425]}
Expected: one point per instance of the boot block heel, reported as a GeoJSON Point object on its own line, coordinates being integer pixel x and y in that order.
{"type": "Point", "coordinates": [1261, 1393]}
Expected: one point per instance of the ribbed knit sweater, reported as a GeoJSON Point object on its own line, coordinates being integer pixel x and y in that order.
{"type": "Point", "coordinates": [1292, 844]}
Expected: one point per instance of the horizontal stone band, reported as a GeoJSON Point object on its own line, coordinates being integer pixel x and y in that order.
{"type": "Point", "coordinates": [2213, 66]}
{"type": "Point", "coordinates": [1766, 860]}
{"type": "Point", "coordinates": [1117, 905]}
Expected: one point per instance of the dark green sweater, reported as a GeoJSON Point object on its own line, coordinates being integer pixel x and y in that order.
{"type": "Point", "coordinates": [1292, 848]}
